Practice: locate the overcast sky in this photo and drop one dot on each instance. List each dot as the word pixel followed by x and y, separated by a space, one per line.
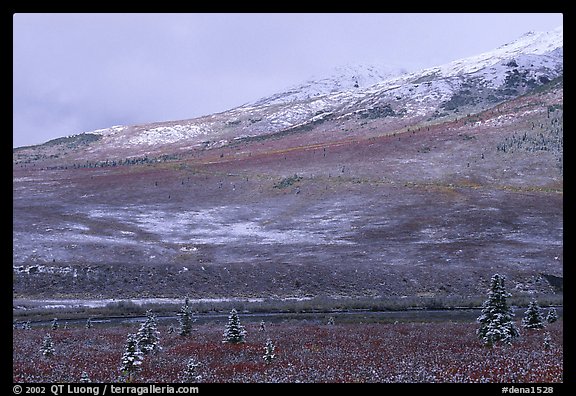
pixel 79 72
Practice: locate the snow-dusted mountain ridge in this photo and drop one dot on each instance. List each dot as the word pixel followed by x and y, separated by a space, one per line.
pixel 531 43
pixel 352 95
pixel 341 78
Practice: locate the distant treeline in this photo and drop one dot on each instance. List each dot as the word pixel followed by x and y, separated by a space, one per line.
pixel 117 162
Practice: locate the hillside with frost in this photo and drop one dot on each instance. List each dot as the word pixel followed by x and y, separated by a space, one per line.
pixel 420 185
pixel 351 95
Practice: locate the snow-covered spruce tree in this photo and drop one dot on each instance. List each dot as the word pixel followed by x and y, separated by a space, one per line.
pixel 262 326
pixel 89 323
pixel 552 315
pixel 547 341
pixel 190 371
pixel 84 378
pixel 54 325
pixel 148 336
pixel 532 318
pixel 496 318
pixel 269 351
pixel 235 332
pixel 131 359
pixel 185 319
pixel 47 348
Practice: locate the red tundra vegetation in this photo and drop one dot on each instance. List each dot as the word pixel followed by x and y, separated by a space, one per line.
pixel 305 352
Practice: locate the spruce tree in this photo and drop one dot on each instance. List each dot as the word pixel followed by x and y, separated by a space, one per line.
pixel 269 351
pixel 84 378
pixel 185 318
pixel 190 372
pixel 547 341
pixel 552 315
pixel 132 358
pixel 532 317
pixel 54 325
pixel 496 318
pixel 47 348
pixel 148 336
pixel 235 332
pixel 89 323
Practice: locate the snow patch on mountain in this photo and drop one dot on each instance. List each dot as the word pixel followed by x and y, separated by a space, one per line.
pixel 531 43
pixel 342 78
pixel 169 134
pixel 109 131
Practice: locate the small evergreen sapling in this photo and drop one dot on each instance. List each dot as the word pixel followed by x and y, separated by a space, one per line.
pixel 547 341
pixel 185 319
pixel 84 378
pixel 190 372
pixel 234 332
pixel 532 317
pixel 54 325
pixel 269 352
pixel 552 315
pixel 47 348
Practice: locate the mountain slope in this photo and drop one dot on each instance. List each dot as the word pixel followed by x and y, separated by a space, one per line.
pixel 422 185
pixel 426 213
pixel 463 86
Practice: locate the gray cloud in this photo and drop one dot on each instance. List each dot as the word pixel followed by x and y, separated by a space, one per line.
pixel 80 72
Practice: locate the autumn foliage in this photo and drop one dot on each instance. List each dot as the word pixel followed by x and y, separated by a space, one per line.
pixel 304 352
